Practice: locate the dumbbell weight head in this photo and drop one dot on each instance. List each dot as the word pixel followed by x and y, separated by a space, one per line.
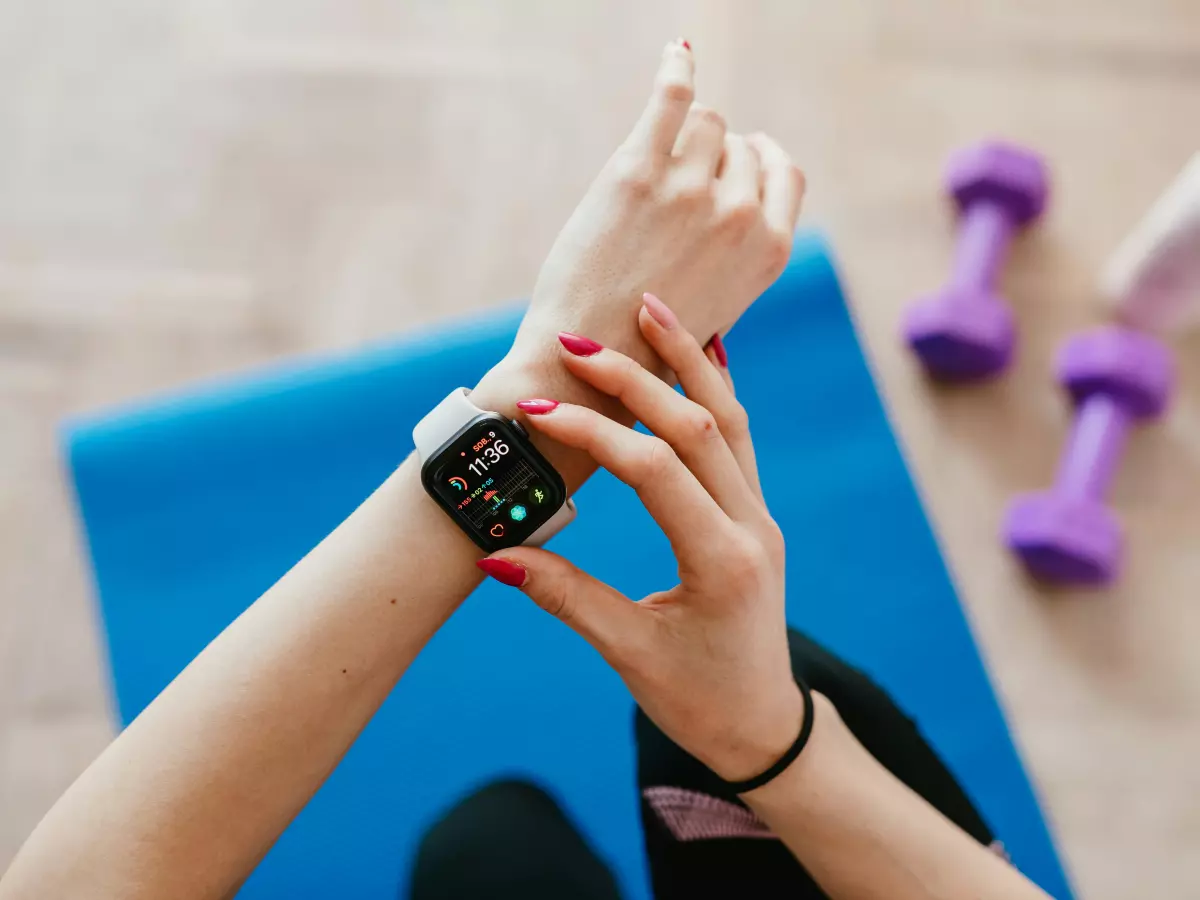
pixel 965 330
pixel 1012 176
pixel 1132 367
pixel 1067 534
pixel 961 334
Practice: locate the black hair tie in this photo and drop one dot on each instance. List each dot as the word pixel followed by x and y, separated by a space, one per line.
pixel 750 784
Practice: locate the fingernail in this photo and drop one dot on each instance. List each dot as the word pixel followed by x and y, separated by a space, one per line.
pixel 683 43
pixel 536 407
pixel 578 344
pixel 718 349
pixel 659 311
pixel 503 571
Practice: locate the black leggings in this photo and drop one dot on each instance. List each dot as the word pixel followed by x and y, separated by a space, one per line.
pixel 510 839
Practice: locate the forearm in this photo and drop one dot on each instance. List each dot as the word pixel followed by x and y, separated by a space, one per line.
pixel 186 801
pixel 189 797
pixel 864 835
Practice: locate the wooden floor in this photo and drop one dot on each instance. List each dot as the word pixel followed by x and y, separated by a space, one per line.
pixel 192 187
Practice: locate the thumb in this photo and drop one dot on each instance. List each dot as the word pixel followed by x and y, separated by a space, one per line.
pixel 603 616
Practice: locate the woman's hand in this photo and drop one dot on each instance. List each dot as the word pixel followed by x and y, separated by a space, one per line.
pixel 683 209
pixel 708 659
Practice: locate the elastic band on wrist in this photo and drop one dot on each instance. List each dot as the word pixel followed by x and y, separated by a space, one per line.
pixel 806 727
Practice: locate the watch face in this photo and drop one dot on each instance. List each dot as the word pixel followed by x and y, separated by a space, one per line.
pixel 494 483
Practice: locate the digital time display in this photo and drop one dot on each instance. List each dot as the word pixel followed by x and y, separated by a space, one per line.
pixel 492 480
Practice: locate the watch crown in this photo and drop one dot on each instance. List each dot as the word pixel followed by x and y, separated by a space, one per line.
pixel 520 428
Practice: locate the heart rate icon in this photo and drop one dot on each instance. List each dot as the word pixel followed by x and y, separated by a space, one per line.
pixel 497 530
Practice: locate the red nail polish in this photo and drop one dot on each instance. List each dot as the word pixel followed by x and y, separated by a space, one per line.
pixel 579 345
pixel 686 45
pixel 659 311
pixel 718 349
pixel 503 571
pixel 536 407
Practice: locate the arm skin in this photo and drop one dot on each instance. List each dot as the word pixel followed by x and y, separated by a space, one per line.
pixel 864 835
pixel 187 800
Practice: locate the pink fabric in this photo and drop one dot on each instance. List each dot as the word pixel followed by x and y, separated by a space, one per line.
pixel 693 816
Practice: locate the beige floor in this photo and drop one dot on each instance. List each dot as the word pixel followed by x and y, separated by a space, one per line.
pixel 196 186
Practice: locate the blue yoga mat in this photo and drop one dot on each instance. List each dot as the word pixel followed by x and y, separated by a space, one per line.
pixel 194 505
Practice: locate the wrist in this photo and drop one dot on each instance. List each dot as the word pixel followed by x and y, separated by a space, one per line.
pixel 517 379
pixel 826 747
pixel 758 744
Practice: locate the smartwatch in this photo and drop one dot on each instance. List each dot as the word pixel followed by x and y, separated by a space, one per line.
pixel 482 469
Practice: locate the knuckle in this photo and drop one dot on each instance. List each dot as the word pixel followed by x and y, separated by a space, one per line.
pixel 734 421
pixel 658 459
pixel 675 89
pixel 556 600
pixel 778 251
pixel 628 369
pixel 709 117
pixel 625 374
pixel 693 192
pixel 761 143
pixel 745 561
pixel 742 216
pixel 634 173
pixel 773 542
pixel 701 426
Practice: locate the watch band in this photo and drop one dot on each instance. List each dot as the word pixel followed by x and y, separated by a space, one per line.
pixel 552 525
pixel 444 421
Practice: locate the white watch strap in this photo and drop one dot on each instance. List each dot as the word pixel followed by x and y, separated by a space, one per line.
pixel 553 525
pixel 444 421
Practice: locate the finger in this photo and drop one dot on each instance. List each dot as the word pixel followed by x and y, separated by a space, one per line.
pixel 743 447
pixel 739 180
pixel 690 518
pixel 601 615
pixel 686 425
pixel 783 185
pixel 719 357
pixel 658 127
pixel 701 379
pixel 702 141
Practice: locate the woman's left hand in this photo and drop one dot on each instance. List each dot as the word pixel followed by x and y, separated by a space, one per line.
pixel 683 208
pixel 708 659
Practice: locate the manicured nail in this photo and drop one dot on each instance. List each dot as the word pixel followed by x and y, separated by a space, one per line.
pixel 718 349
pixel 578 344
pixel 659 311
pixel 503 571
pixel 683 42
pixel 536 407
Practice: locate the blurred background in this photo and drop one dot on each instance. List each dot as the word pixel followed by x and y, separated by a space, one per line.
pixel 193 187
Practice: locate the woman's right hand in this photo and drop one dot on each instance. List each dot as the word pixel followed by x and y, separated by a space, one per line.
pixel 708 659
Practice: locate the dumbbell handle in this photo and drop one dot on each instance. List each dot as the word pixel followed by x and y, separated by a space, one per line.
pixel 984 231
pixel 1094 448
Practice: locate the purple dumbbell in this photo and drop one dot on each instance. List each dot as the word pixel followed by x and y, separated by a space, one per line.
pixel 1067 535
pixel 966 330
